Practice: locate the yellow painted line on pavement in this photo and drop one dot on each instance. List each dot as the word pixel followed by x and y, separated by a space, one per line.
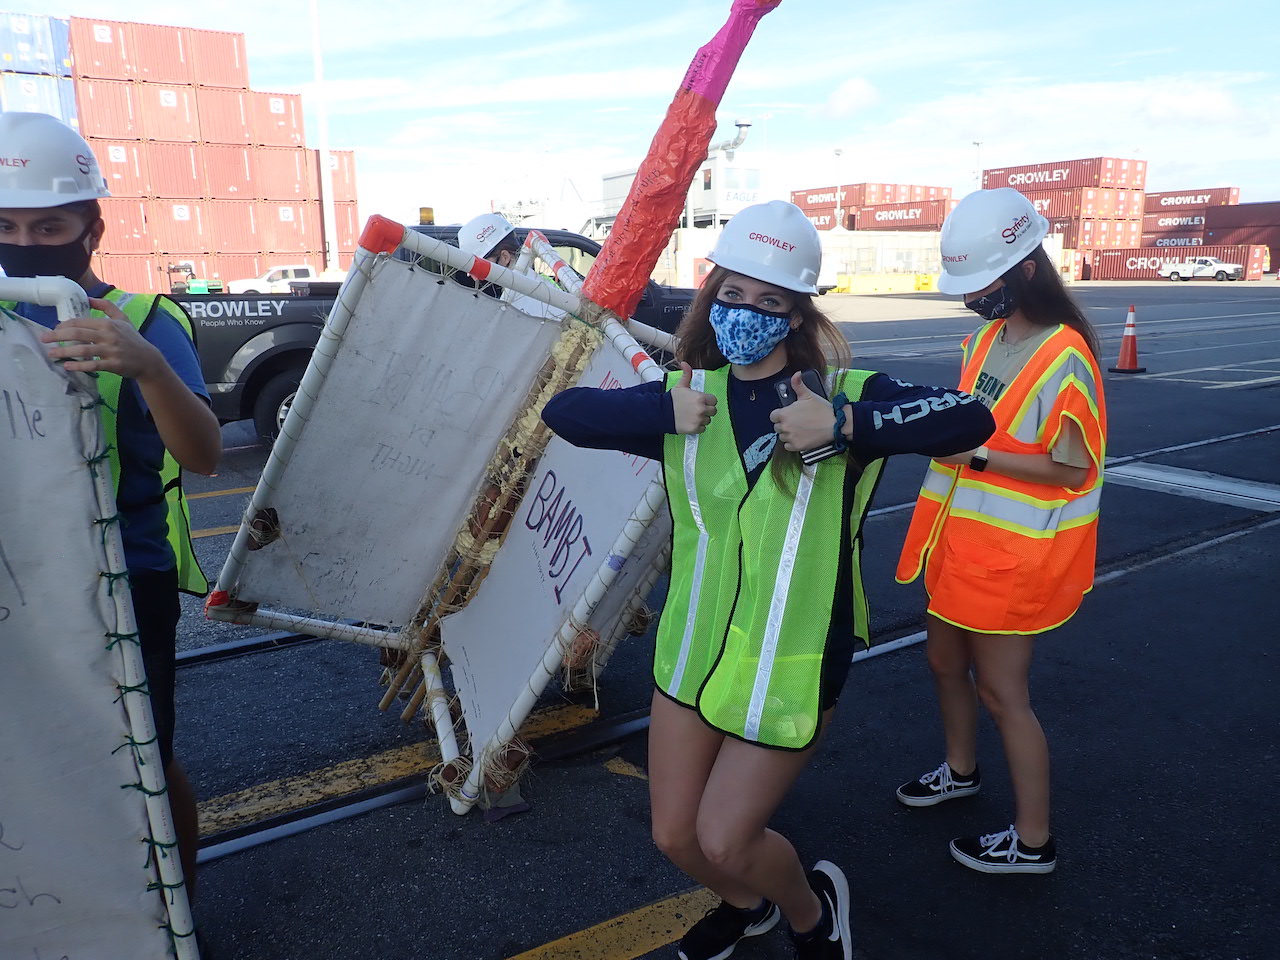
pixel 625 768
pixel 213 531
pixel 293 793
pixel 220 493
pixel 632 934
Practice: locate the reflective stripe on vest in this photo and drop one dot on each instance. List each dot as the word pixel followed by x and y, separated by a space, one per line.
pixel 736 641
pixel 1046 527
pixel 697 382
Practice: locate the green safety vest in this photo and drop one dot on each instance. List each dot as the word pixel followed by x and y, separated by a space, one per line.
pixel 139 309
pixel 753 578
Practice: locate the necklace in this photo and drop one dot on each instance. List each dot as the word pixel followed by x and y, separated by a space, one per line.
pixel 753 393
pixel 1014 346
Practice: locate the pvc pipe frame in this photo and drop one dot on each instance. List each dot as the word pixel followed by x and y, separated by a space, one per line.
pixel 66 295
pixel 137 706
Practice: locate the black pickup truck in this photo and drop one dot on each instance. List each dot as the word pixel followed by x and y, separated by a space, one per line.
pixel 254 348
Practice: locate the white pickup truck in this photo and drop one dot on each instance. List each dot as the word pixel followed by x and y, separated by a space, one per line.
pixel 275 280
pixel 1203 268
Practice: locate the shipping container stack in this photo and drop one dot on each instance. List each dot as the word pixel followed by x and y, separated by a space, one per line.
pixel 1177 218
pixel 1094 203
pixel 202 169
pixel 875 206
pixel 35 66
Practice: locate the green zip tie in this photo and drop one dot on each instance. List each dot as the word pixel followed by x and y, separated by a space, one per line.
pixel 118 638
pixel 125 688
pixel 105 523
pixel 112 579
pixel 152 846
pixel 143 790
pixel 99 402
pixel 93 462
pixel 136 744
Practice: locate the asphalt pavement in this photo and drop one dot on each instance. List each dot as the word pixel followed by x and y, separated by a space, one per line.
pixel 1159 700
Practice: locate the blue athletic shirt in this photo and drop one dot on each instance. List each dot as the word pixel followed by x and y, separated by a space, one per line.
pixel 140 495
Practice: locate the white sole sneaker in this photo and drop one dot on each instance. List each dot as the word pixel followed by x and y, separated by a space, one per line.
pixel 1001 865
pixel 955 793
pixel 840 917
pixel 756 929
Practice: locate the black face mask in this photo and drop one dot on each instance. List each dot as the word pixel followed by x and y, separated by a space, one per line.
pixel 997 305
pixel 69 260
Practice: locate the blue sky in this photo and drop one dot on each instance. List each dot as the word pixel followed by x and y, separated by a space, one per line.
pixel 457 105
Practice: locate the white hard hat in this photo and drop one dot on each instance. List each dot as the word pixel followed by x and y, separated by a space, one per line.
pixel 45 163
pixel 774 243
pixel 988 233
pixel 479 235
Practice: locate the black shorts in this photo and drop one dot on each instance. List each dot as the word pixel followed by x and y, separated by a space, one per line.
pixel 156 610
pixel 836 660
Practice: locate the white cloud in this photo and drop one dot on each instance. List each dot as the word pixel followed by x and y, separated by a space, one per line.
pixel 852 96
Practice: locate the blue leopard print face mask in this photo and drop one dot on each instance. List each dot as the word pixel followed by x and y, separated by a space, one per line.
pixel 746 335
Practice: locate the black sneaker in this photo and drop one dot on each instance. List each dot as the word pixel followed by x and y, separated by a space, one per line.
pixel 831 938
pixel 938 785
pixel 1004 852
pixel 716 934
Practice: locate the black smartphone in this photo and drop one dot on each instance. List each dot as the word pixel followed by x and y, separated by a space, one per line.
pixel 812 379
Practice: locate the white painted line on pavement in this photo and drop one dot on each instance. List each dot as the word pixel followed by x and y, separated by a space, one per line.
pixel 1243 383
pixel 1198 484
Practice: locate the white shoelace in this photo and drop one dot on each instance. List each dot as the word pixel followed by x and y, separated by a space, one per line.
pixel 989 842
pixel 941 776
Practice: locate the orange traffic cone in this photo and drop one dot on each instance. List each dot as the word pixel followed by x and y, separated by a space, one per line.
pixel 1128 362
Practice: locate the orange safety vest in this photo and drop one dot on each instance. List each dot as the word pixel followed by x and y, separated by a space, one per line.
pixel 1007 556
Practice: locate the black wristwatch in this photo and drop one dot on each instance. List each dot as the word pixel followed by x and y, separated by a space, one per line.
pixel 978 461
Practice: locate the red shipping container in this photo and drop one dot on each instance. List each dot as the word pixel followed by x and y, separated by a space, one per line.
pixel 162 54
pixel 168 112
pixel 102 49
pixel 1144 263
pixel 128 229
pixel 1179 221
pixel 124 166
pixel 345 258
pixel 236 266
pixel 277 119
pixel 824 218
pixel 1185 199
pixel 176 169
pixel 346 226
pixel 225 115
pixel 1245 215
pixel 289 228
pixel 896 216
pixel 230 172
pixel 285 173
pixel 219 58
pixel 342 164
pixel 1173 239
pixel 133 273
pixel 816 197
pixel 1091 172
pixel 233 226
pixel 1088 202
pixel 179 225
pixel 1268 236
pixel 108 109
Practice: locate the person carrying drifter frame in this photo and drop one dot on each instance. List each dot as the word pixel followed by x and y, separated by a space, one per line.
pixel 766 600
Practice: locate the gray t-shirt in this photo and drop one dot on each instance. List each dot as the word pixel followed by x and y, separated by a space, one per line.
pixel 1003 364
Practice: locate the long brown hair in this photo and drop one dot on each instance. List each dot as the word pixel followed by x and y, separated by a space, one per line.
pixel 815 344
pixel 1044 299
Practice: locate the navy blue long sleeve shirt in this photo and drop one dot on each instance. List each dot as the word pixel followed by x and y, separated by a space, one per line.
pixel 892 417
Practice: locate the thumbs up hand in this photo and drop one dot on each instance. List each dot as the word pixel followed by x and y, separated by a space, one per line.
pixel 693 409
pixel 805 424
